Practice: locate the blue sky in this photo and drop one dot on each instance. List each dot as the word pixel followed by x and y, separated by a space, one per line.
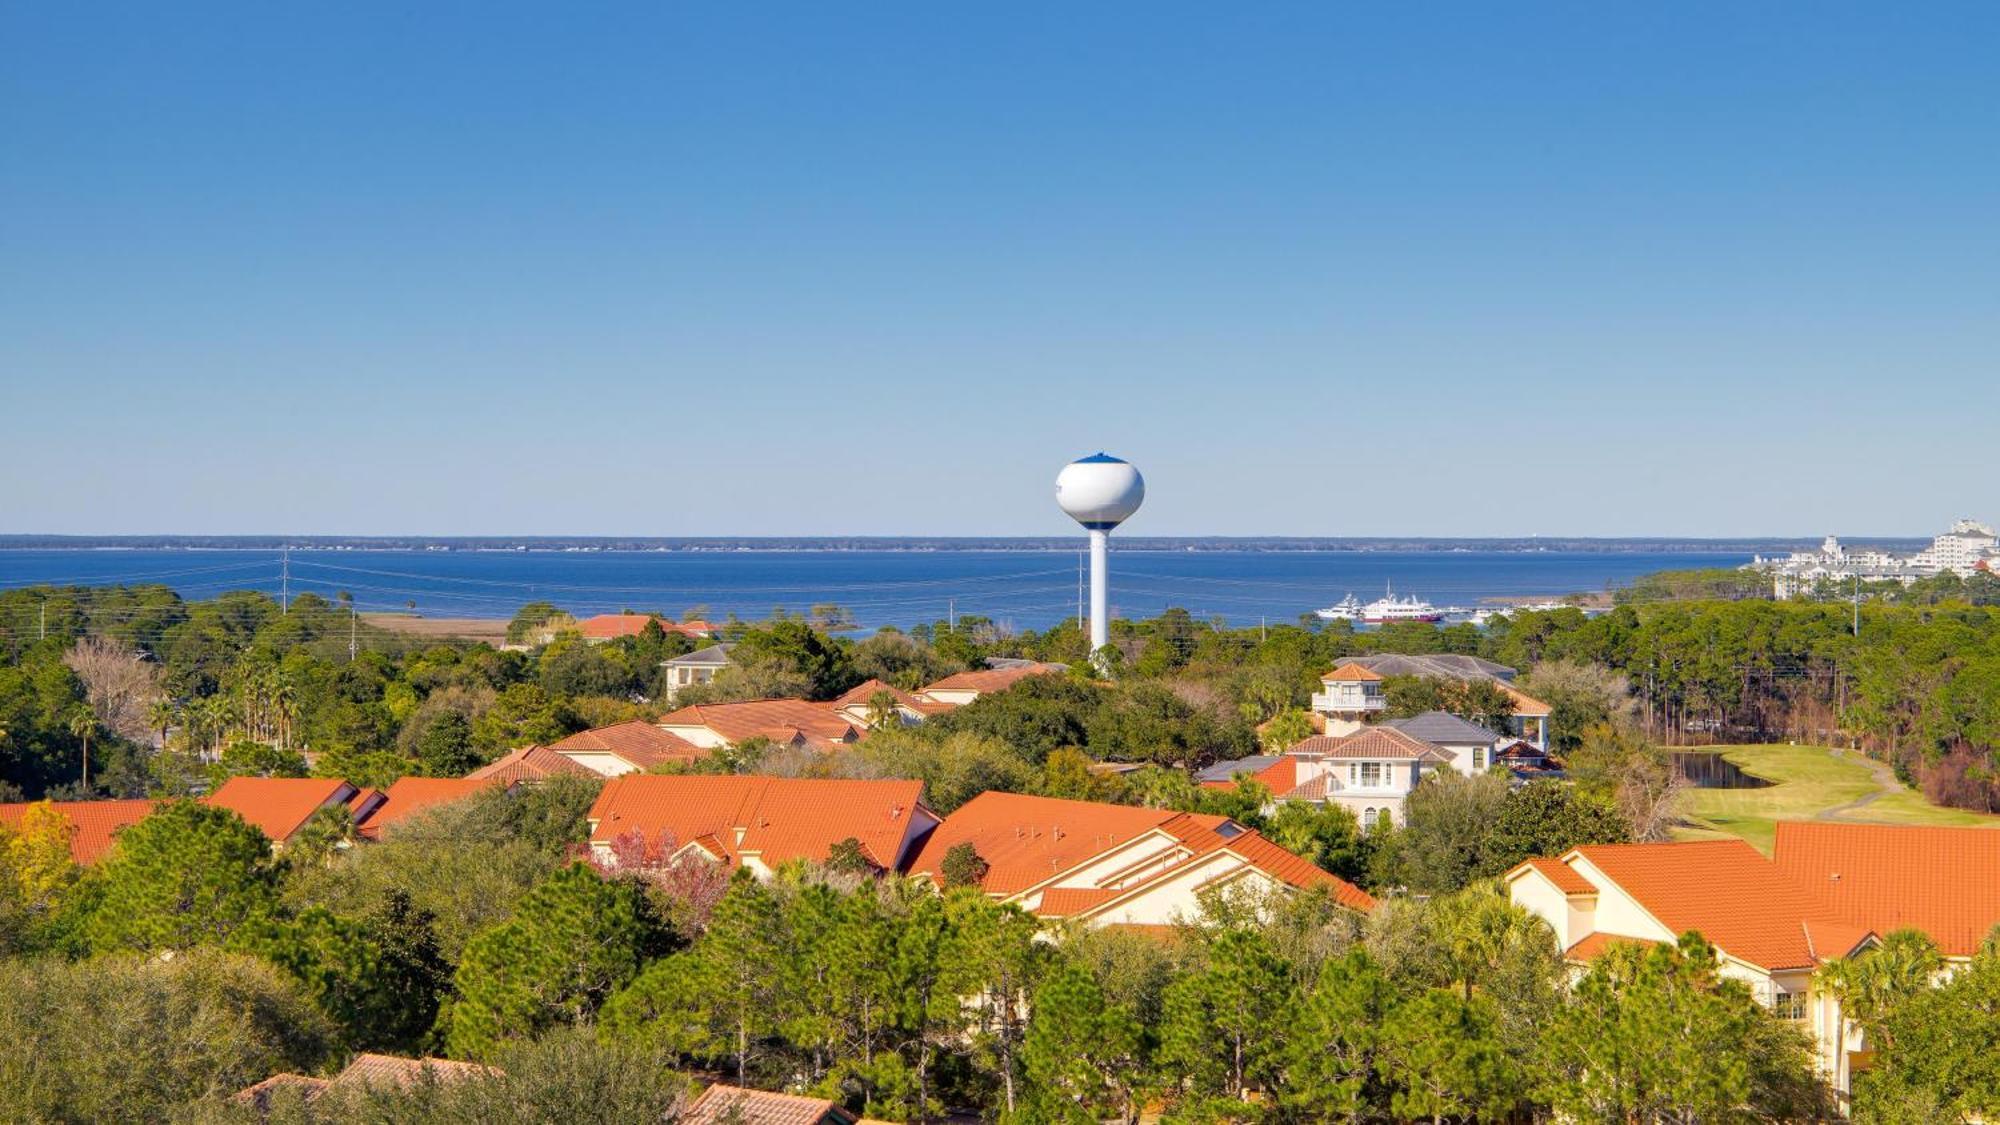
pixel 1414 269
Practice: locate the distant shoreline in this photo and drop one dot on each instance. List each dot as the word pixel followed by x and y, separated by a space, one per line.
pixel 919 544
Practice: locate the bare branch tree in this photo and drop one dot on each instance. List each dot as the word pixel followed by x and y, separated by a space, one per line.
pixel 120 683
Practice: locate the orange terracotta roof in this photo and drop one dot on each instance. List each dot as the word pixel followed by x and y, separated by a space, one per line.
pixel 1372 744
pixel 735 1105
pixel 92 824
pixel 1350 672
pixel 1524 704
pixel 261 1094
pixel 1730 894
pixel 1061 902
pixel 1943 881
pixel 1594 945
pixel 636 741
pixel 410 796
pixel 861 694
pixel 1280 777
pixel 606 626
pixel 1296 870
pixel 530 763
pixel 1556 871
pixel 1026 840
pixel 782 818
pixel 986 680
pixel 765 718
pixel 278 806
pixel 385 1072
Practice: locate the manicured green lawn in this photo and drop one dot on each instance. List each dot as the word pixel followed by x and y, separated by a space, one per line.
pixel 1810 781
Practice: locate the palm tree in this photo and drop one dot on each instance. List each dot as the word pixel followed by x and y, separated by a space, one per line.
pixel 160 715
pixel 81 724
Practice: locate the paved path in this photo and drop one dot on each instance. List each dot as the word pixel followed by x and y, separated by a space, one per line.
pixel 1885 781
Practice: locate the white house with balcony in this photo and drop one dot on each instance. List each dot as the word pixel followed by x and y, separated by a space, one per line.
pixel 1369 772
pixel 1349 697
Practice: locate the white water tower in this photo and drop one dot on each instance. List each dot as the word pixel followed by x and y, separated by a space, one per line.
pixel 1100 492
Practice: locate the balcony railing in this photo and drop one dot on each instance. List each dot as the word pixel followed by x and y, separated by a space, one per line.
pixel 1336 701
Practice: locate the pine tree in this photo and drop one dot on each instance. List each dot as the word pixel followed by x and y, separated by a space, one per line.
pixel 571 943
pixel 1443 1053
pixel 1225 1023
pixel 187 875
pixel 1331 1052
pixel 1080 1055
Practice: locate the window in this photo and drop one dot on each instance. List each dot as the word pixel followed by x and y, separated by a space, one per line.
pixel 1367 819
pixel 1368 774
pixel 1788 1005
pixel 1478 759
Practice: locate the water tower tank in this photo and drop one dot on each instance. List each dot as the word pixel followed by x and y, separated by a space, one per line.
pixel 1100 491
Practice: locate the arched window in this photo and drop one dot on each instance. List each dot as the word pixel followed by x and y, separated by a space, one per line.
pixel 1367 819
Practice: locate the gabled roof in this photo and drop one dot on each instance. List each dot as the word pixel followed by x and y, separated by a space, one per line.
pixel 1943 881
pixel 530 763
pixel 637 742
pixel 1027 840
pixel 861 694
pixel 92 824
pixel 775 719
pixel 1443 728
pixel 278 806
pixel 714 656
pixel 409 796
pixel 1384 743
pixel 735 1105
pixel 1525 704
pixel 988 680
pixel 1731 894
pixel 1556 871
pixel 782 818
pixel 367 1071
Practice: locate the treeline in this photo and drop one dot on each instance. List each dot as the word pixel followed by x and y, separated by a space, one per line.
pixel 192 962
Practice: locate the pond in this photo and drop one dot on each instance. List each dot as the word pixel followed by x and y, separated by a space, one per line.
pixel 1708 769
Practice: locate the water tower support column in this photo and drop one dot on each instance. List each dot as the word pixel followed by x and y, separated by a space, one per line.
pixel 1100 615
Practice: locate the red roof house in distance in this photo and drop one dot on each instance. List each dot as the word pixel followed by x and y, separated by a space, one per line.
pixel 628 747
pixel 279 806
pixel 857 704
pixel 964 687
pixel 91 825
pixel 788 722
pixel 410 796
pixel 735 1105
pixel 610 626
pixel 760 822
pixel 530 763
pixel 1116 864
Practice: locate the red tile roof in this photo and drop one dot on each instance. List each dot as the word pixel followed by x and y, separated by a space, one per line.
pixel 781 720
pixel 1524 704
pixel 861 694
pixel 410 796
pixel 92 824
pixel 988 680
pixel 1594 945
pixel 783 818
pixel 1943 881
pixel 1350 672
pixel 530 763
pixel 1561 874
pixel 636 741
pixel 734 1105
pixel 278 806
pixel 385 1072
pixel 1373 744
pixel 1280 777
pixel 1731 894
pixel 606 626
pixel 1027 840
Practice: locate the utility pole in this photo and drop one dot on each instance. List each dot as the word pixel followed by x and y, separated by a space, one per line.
pixel 951 614
pixel 45 619
pixel 285 580
pixel 1857 603
pixel 353 630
